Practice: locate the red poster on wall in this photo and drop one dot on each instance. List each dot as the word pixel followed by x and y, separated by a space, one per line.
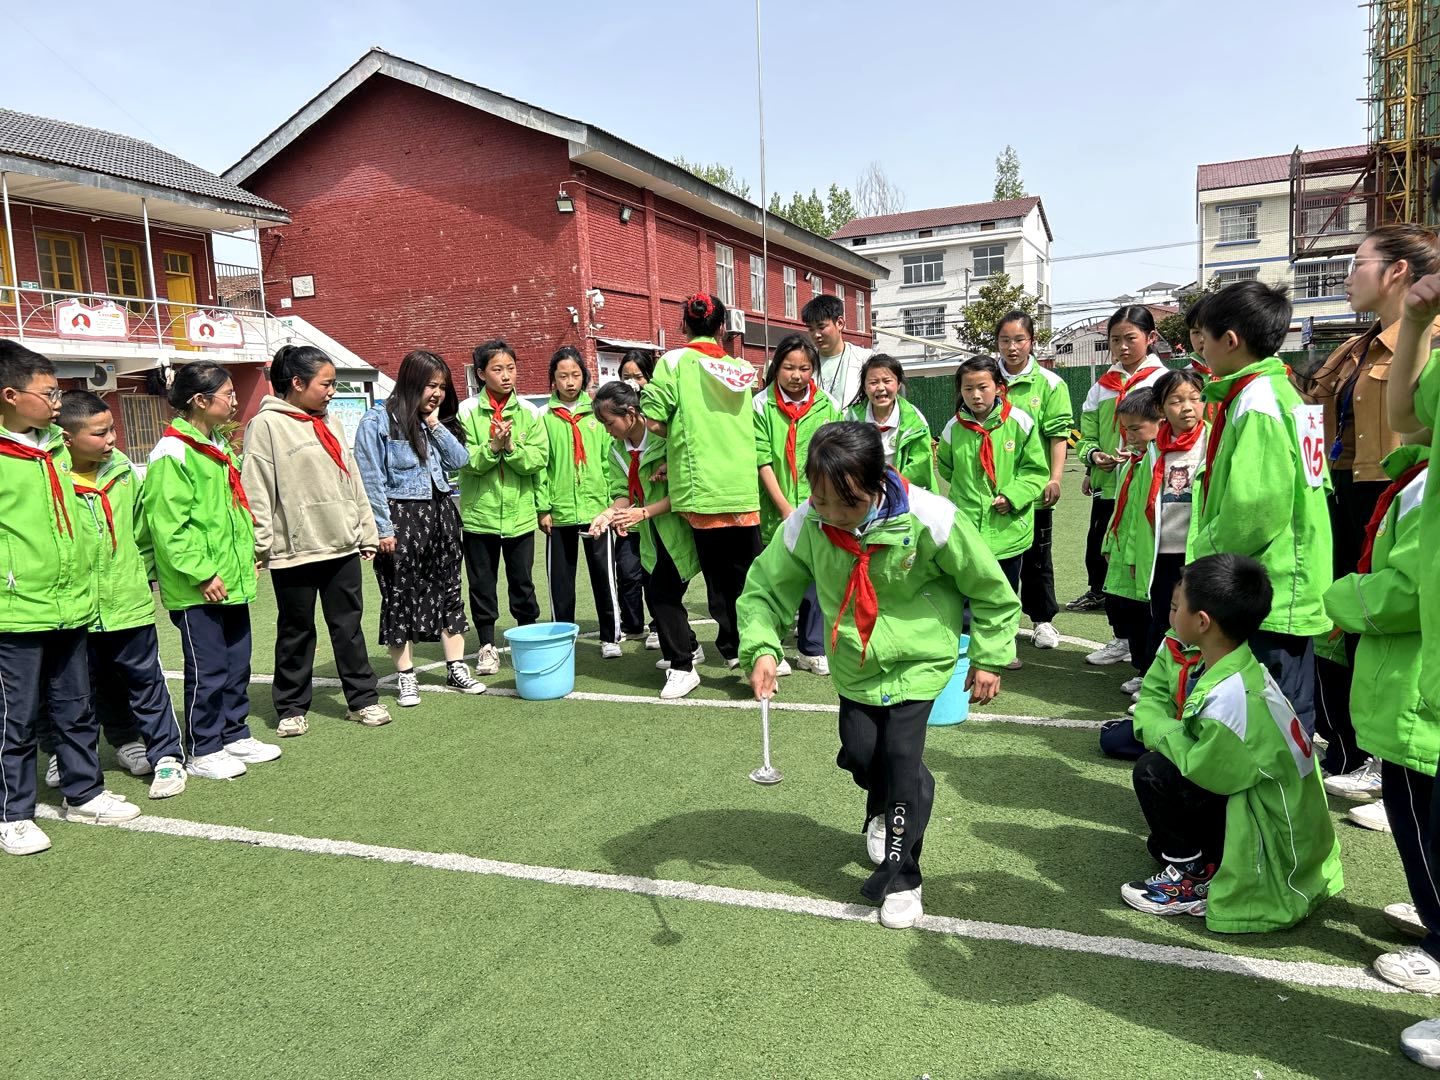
pixel 214 330
pixel 103 322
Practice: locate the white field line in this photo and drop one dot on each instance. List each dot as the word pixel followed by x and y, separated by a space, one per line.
pixel 1295 972
pixel 710 703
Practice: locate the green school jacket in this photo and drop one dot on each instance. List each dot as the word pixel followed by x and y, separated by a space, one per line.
pixel 674 530
pixel 771 431
pixel 197 528
pixel 123 557
pixel 573 494
pixel 1238 736
pixel 914 448
pixel 47 567
pixel 1124 533
pixel 1383 607
pixel 1044 395
pixel 929 559
pixel 1100 430
pixel 705 402
pixel 1022 469
pixel 1427 409
pixel 1161 695
pixel 1265 494
pixel 498 491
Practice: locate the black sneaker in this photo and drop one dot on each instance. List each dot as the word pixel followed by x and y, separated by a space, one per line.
pixel 1090 600
pixel 458 677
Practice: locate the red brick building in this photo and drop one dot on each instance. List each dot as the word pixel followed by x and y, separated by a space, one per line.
pixel 428 212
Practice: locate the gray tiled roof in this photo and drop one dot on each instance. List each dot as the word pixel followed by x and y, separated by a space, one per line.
pixel 41 139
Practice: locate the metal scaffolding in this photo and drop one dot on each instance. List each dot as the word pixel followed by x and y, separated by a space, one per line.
pixel 1403 95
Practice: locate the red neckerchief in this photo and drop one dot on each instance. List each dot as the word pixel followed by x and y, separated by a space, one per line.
pixel 574 422
pixel 326 437
pixel 11 448
pixel 987 449
pixel 1122 385
pixel 632 479
pixel 1221 414
pixel 497 406
pixel 794 414
pixel 894 418
pixel 1167 442
pixel 711 349
pixel 82 488
pixel 1382 508
pixel 1177 652
pixel 1124 496
pixel 215 454
pixel 859 588
pixel 1201 368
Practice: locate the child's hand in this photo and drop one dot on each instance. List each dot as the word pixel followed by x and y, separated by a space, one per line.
pixel 1085 488
pixel 762 677
pixel 387 545
pixel 1001 505
pixel 983 686
pixel 599 525
pixel 1103 461
pixel 1051 495
pixel 545 522
pixel 628 518
pixel 214 590
pixel 1422 302
pixel 660 475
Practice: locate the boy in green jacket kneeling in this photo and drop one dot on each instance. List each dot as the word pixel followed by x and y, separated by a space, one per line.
pixel 1230 787
pixel 895 564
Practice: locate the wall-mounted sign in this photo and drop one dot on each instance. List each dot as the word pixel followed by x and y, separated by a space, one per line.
pixel 303 286
pixel 214 330
pixel 103 322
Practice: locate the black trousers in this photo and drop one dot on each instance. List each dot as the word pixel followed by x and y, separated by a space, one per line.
pixel 810 625
pixel 881 747
pixel 1410 806
pixel 336 582
pixel 1185 820
pixel 1133 619
pixel 482 569
pixel 665 592
pixel 216 641
pixel 562 549
pixel 53 666
pixel 1037 572
pixel 1095 564
pixel 630 585
pixel 1162 588
pixel 1290 659
pixel 725 558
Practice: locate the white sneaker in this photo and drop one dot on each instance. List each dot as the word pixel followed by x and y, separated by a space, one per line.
pixel 1135 698
pixel 678 684
pixel 252 751
pixel 107 808
pixel 816 665
pixel 216 766
pixel 734 662
pixel 487 661
pixel 1370 816
pixel 132 757
pixel 1046 636
pixel 1015 665
pixel 610 650
pixel 291 727
pixel 52 773
pixel 901 909
pixel 782 669
pixel 1131 686
pixel 22 838
pixel 697 657
pixel 652 641
pixel 1115 651
pixel 1405 918
pixel 875 833
pixel 1362 785
pixel 1130 711
pixel 370 716
pixel 1421 1043
pixel 408 685
pixel 169 778
pixel 1412 969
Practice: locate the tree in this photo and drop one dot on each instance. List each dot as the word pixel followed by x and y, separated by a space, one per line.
pixel 1172 328
pixel 996 298
pixel 722 176
pixel 1008 184
pixel 809 212
pixel 876 193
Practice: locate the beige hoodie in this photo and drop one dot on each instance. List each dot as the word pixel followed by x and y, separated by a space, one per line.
pixel 306 510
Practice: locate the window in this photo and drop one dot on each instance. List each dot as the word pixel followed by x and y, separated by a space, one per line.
pixel 1328 215
pixel 1102 346
pixel 725 274
pixel 123 273
pixel 757 284
pixel 817 285
pixel 6 297
pixel 987 226
pixel 989 260
pixel 1319 278
pixel 145 418
pixel 926 268
pixel 1244 273
pixel 859 310
pixel 1065 348
pixel 928 322
pixel 925 234
pixel 859 241
pixel 1239 223
pixel 840 293
pixel 792 295
pixel 60 266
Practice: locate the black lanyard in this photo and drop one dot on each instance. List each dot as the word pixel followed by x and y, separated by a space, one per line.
pixel 1345 405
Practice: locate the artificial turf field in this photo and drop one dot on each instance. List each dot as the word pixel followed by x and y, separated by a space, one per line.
pixel 715 927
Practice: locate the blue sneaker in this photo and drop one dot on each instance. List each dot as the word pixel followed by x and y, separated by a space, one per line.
pixel 1173 891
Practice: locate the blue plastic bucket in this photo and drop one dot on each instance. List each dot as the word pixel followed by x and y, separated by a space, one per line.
pixel 953 704
pixel 544 659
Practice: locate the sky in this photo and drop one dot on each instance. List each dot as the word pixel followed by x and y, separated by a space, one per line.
pixel 1110 104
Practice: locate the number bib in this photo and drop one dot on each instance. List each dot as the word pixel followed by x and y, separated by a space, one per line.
pixel 1310 432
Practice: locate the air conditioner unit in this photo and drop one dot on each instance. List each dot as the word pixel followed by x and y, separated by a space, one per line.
pixel 734 321
pixel 102 378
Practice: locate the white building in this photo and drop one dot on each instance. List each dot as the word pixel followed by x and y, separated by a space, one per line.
pixel 1255 223
pixel 940 258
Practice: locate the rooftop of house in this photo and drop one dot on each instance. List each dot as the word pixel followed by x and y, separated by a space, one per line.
pixel 1269 170
pixel 965 214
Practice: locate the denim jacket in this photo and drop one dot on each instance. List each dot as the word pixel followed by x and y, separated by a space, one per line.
pixel 392 470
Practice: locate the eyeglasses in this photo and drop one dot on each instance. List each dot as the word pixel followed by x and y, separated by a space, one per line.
pixel 230 396
pixel 1013 340
pixel 50 396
